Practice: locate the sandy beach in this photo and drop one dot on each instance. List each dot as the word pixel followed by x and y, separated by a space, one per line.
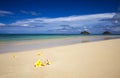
pixel 99 59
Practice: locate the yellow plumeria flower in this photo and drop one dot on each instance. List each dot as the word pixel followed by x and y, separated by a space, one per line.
pixel 38 63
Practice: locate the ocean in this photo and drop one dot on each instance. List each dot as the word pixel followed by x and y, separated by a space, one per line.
pixel 22 37
pixel 23 42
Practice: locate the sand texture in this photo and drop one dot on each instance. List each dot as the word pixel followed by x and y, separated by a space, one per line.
pixel 87 60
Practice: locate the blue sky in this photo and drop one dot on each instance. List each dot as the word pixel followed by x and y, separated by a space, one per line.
pixel 59 16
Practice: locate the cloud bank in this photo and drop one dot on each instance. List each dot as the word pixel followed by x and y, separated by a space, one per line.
pixel 62 20
pixel 93 23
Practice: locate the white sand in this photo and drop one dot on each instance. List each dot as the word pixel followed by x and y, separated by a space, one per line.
pixel 88 60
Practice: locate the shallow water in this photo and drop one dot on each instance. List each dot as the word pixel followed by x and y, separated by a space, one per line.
pixel 23 37
pixel 13 43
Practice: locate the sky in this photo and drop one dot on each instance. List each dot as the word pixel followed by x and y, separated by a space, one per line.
pixel 59 16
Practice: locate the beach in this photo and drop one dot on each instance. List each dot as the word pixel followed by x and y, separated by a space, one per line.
pixel 100 59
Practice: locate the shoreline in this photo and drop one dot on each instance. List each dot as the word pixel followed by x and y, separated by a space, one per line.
pixel 39 44
pixel 89 60
pixel 36 44
pixel 64 37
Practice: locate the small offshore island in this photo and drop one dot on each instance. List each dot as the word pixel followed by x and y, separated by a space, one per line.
pixel 87 33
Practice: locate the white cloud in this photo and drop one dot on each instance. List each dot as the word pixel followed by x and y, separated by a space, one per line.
pixel 4 13
pixel 80 20
pixel 80 17
pixel 1 24
pixel 24 12
pixel 94 23
pixel 68 24
pixel 30 12
pixel 34 13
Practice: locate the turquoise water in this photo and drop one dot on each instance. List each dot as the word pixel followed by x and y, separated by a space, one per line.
pixel 20 37
pixel 11 43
